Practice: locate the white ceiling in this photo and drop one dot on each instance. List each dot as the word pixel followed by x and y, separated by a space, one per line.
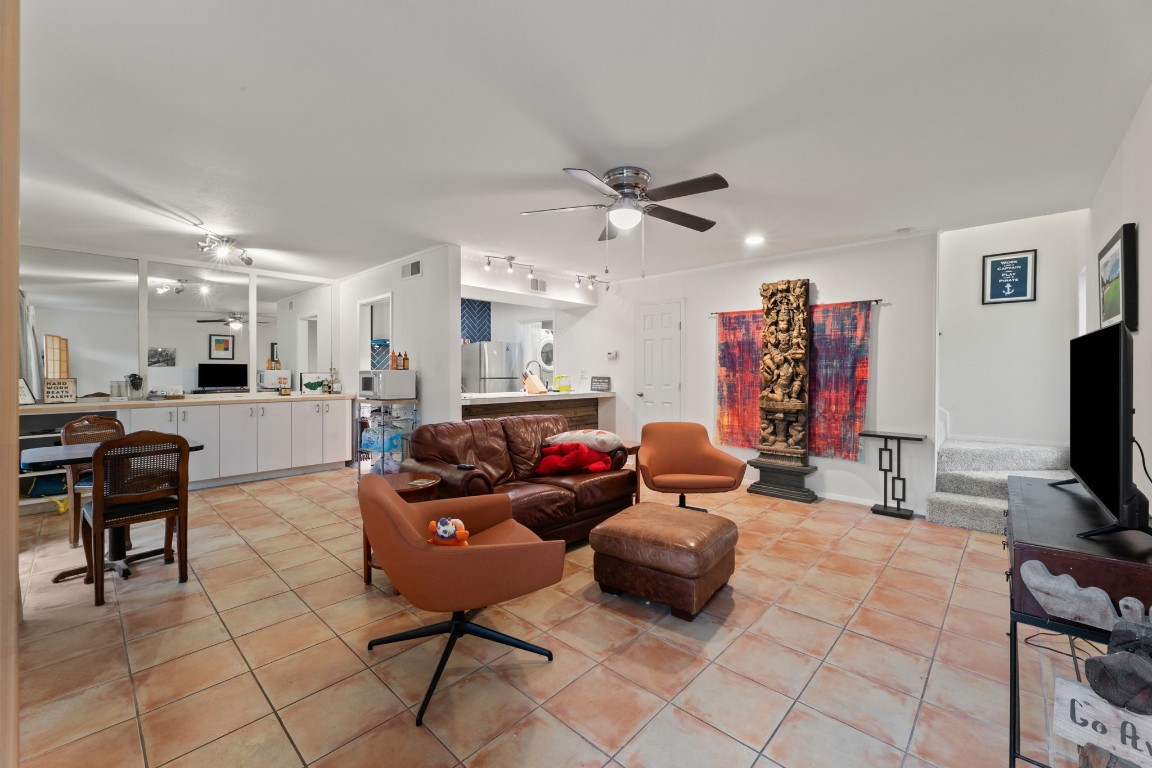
pixel 328 137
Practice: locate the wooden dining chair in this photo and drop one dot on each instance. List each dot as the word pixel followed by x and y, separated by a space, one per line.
pixel 87 429
pixel 140 477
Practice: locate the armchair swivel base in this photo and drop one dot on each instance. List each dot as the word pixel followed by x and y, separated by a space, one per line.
pixel 456 627
pixel 684 505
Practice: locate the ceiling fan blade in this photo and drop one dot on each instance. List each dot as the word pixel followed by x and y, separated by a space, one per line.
pixel 697 223
pixel 559 210
pixel 592 180
pixel 709 183
pixel 217 320
pixel 609 233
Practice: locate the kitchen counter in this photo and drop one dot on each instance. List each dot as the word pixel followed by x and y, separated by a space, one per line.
pixel 523 397
pixel 98 404
pixel 583 410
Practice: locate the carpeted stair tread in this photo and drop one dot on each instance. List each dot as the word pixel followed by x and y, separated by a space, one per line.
pixel 991 484
pixel 981 456
pixel 977 513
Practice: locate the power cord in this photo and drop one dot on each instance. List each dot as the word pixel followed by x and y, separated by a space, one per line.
pixel 1143 464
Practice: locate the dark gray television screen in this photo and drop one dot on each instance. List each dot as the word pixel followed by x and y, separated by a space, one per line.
pixel 222 376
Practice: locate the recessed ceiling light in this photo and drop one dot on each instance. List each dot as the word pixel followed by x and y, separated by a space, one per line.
pixel 754 240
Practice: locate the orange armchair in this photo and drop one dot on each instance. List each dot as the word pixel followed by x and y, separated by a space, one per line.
pixel 677 457
pixel 503 560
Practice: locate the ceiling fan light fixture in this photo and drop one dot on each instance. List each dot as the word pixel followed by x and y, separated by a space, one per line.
pixel 625 214
pixel 235 325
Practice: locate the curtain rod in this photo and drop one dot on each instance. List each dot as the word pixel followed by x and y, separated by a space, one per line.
pixel 874 301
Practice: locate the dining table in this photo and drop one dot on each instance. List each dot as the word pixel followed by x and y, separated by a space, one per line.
pixel 57 456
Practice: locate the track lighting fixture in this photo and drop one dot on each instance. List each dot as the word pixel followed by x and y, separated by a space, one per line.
pixel 224 248
pixel 178 286
pixel 510 264
pixel 488 265
pixel 578 282
pixel 510 260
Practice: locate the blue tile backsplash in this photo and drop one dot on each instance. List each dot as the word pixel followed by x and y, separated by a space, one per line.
pixel 475 320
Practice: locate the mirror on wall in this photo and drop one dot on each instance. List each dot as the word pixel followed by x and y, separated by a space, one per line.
pixel 197 315
pixel 298 317
pixel 91 301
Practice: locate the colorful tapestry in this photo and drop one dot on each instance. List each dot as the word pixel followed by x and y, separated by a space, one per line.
pixel 738 346
pixel 838 378
pixel 838 387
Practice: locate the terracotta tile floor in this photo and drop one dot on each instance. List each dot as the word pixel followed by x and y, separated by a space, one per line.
pixel 843 639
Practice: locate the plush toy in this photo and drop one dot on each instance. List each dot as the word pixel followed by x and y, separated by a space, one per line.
pixel 448 531
pixel 568 458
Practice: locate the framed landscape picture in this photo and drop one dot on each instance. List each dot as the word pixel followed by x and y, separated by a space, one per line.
pixel 221 347
pixel 1118 280
pixel 161 357
pixel 1009 277
pixel 312 383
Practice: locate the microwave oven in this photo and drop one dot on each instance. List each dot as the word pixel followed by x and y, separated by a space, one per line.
pixel 388 385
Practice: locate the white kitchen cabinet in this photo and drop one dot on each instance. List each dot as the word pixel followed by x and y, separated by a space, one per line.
pixel 239 439
pixel 192 422
pixel 274 436
pixel 307 433
pixel 337 431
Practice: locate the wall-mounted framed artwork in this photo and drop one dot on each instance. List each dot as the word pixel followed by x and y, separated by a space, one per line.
pixel 312 383
pixel 59 390
pixel 1009 277
pixel 161 357
pixel 221 346
pixel 1119 299
pixel 26 396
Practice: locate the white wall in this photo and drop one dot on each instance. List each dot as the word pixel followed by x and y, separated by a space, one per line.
pixel 425 324
pixel 102 346
pixel 1003 372
pixel 901 395
pixel 300 345
pixel 1125 195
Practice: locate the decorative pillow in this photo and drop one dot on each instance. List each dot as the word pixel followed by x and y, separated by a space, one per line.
pixel 598 439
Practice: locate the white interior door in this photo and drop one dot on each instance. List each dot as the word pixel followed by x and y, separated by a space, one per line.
pixel 658 372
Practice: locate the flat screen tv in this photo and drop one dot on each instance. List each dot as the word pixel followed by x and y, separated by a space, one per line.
pixel 1100 427
pixel 222 376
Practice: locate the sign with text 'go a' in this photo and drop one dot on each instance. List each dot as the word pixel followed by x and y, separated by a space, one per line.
pixel 1083 717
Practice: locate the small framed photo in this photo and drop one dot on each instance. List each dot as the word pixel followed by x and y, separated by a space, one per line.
pixel 1119 280
pixel 161 357
pixel 59 390
pixel 221 347
pixel 26 396
pixel 1009 277
pixel 312 383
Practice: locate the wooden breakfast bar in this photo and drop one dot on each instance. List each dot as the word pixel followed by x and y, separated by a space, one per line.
pixel 583 410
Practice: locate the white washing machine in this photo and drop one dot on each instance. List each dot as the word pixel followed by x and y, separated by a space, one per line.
pixel 543 352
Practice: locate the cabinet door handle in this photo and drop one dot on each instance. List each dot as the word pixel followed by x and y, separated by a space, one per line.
pixel 261 410
pixel 183 415
pixel 327 407
pixel 317 407
pixel 251 411
pixel 171 415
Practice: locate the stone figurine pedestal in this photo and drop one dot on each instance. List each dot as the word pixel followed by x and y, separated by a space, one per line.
pixel 782 481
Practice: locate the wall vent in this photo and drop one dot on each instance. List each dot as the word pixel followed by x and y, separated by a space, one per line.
pixel 290 303
pixel 411 269
pixel 538 285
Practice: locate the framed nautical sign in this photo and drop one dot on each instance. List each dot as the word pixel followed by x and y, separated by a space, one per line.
pixel 1009 277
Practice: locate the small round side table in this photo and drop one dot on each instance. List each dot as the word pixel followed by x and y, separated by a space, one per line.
pixel 411 488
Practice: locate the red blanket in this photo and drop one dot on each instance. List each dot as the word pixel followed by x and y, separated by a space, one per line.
pixel 568 458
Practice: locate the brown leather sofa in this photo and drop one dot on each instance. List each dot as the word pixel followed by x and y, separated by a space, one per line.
pixel 505 452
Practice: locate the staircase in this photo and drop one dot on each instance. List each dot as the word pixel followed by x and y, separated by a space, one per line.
pixel 972 480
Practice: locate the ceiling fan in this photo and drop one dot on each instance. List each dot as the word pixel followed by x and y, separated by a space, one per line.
pixel 234 320
pixel 631 199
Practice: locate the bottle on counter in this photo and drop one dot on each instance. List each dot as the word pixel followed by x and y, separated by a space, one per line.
pixel 268 364
pixel 405 365
pixel 392 360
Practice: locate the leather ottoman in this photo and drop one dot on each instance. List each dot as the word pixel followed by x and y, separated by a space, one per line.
pixel 663 553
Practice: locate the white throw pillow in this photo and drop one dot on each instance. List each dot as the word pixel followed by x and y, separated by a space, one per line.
pixel 598 439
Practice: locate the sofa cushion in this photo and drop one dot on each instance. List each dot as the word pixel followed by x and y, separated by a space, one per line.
pixel 538 505
pixel 525 435
pixel 479 442
pixel 596 489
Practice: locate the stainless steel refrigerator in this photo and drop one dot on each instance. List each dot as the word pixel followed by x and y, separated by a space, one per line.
pixel 490 366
